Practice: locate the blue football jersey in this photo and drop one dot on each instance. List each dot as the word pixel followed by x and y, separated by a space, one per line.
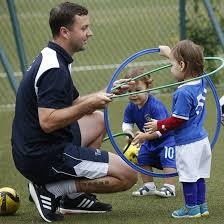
pixel 189 104
pixel 154 109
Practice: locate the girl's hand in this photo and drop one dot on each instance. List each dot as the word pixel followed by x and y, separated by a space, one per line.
pixel 164 51
pixel 151 126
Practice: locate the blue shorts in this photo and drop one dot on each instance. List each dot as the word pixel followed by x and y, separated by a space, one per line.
pixel 70 162
pixel 159 158
pixel 76 133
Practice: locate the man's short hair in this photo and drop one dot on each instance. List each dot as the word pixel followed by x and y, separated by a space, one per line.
pixel 64 15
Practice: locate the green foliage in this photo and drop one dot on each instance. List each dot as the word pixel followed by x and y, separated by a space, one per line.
pixel 201 31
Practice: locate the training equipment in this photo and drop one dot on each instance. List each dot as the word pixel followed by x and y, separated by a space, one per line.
pixel 131 153
pixel 111 88
pixel 9 201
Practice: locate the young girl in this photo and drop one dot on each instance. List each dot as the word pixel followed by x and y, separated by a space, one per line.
pixel 156 150
pixel 193 153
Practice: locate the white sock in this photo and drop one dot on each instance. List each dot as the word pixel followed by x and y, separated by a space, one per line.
pixel 150 185
pixel 62 188
pixel 172 187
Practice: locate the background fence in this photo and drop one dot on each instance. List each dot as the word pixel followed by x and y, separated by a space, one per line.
pixel 120 29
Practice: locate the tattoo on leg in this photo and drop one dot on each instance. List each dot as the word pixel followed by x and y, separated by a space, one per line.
pixel 96 183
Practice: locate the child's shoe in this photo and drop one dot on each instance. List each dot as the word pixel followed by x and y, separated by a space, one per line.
pixel 187 212
pixel 144 191
pixel 166 192
pixel 204 210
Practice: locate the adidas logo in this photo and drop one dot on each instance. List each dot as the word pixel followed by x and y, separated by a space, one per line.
pixel 97 152
pixel 85 203
pixel 46 201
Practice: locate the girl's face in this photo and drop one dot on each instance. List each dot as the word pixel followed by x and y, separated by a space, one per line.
pixel 138 99
pixel 177 69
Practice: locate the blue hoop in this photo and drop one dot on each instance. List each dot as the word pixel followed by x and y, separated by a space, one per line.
pixel 106 119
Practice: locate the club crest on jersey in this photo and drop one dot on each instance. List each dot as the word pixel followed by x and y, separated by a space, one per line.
pixel 147 118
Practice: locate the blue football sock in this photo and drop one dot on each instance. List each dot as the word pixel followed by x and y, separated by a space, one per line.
pixel 190 193
pixel 201 191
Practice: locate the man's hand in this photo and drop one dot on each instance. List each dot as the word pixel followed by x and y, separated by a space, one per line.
pixel 138 139
pixel 123 88
pixel 99 100
pixel 151 126
pixel 164 51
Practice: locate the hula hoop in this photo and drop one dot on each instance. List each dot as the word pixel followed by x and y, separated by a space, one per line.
pixel 121 134
pixel 106 119
pixel 168 85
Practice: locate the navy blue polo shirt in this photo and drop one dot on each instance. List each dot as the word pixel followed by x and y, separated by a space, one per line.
pixel 47 83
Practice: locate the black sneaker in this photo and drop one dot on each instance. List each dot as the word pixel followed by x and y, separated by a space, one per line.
pixel 85 203
pixel 45 202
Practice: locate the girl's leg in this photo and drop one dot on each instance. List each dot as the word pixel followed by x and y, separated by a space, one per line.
pixel 201 197
pixel 190 193
pixel 201 191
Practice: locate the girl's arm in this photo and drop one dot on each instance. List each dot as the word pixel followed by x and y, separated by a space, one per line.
pixel 164 51
pixel 163 125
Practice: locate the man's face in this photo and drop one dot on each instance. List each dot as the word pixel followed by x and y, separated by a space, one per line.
pixel 80 33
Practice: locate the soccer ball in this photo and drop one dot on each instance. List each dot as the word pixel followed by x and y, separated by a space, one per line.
pixel 132 153
pixel 9 201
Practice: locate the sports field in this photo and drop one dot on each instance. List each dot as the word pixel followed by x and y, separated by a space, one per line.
pixel 114 40
pixel 126 209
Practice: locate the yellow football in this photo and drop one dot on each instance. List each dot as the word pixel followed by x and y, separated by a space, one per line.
pixel 132 153
pixel 9 201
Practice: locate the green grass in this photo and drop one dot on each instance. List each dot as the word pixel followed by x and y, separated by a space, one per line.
pixel 126 209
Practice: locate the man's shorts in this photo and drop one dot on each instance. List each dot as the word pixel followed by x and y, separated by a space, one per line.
pixel 159 158
pixel 69 161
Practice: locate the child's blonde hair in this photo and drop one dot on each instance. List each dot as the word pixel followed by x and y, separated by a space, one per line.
pixel 192 55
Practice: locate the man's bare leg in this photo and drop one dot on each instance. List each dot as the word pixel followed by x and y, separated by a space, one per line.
pixel 92 129
pixel 120 177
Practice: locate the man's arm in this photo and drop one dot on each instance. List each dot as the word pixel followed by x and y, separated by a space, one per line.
pixel 53 119
pixel 122 89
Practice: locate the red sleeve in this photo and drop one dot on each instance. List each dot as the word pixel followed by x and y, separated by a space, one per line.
pixel 169 124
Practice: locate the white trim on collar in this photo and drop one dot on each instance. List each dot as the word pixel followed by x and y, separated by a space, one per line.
pixel 192 83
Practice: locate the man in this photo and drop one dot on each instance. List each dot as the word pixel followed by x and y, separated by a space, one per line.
pixel 57 133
